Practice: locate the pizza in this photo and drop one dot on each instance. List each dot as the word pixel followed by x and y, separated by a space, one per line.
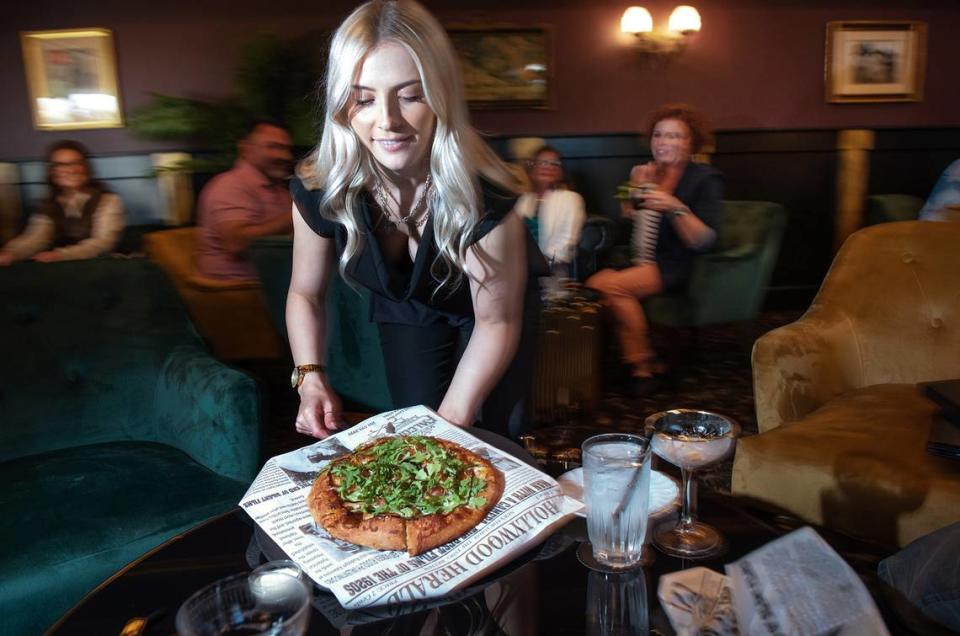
pixel 404 492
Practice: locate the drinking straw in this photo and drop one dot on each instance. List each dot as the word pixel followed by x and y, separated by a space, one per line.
pixel 634 480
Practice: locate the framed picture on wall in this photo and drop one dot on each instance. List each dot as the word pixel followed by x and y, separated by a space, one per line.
pixel 72 79
pixel 875 61
pixel 505 67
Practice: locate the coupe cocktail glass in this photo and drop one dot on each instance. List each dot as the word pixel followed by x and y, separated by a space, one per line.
pixel 691 439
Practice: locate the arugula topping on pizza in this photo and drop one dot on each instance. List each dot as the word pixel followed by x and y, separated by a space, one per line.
pixel 406 492
pixel 407 476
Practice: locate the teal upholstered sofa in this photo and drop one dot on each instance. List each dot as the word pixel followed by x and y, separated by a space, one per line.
pixel 118 430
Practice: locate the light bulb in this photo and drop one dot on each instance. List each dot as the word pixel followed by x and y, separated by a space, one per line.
pixel 636 20
pixel 684 19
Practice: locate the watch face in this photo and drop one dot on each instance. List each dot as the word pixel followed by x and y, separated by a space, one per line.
pixel 295 377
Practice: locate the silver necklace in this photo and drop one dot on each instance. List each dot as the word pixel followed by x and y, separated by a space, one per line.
pixel 408 219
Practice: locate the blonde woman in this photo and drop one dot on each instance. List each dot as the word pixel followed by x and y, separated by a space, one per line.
pixel 404 197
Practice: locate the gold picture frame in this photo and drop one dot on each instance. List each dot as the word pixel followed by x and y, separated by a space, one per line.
pixel 72 79
pixel 505 66
pixel 875 61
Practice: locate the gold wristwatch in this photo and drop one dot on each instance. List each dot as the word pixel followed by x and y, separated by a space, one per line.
pixel 300 371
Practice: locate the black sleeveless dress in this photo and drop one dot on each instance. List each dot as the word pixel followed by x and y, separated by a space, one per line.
pixel 423 333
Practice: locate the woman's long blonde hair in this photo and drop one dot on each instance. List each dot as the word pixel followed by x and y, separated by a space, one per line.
pixel 342 165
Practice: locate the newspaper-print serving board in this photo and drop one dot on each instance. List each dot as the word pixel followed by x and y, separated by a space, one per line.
pixel 531 508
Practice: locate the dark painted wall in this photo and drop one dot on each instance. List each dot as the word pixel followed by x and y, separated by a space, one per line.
pixel 756 65
pixel 757 69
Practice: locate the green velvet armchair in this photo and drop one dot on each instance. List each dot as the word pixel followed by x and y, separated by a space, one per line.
pixel 354 359
pixel 119 429
pixel 728 284
pixel 884 208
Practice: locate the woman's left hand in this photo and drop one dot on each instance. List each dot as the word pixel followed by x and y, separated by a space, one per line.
pixel 46 257
pixel 661 201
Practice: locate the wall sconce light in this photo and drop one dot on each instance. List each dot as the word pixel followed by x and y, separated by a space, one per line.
pixel 638 22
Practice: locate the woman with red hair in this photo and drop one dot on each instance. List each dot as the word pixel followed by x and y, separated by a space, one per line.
pixel 675 205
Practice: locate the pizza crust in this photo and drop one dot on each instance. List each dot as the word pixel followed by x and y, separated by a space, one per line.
pixel 391 532
pixel 381 533
pixel 430 531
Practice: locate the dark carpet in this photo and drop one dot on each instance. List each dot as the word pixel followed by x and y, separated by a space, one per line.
pixel 709 370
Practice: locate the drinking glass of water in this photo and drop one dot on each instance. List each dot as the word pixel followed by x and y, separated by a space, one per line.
pixel 274 601
pixel 617 604
pixel 616 480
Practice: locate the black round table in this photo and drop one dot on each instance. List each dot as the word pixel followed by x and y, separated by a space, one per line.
pixel 549 592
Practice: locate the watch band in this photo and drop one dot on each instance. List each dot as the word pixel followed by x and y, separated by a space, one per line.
pixel 675 212
pixel 300 371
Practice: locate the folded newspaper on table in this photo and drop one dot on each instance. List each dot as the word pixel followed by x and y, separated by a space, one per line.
pixel 794 585
pixel 531 508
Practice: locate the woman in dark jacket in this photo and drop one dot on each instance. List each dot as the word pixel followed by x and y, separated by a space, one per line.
pixel 675 205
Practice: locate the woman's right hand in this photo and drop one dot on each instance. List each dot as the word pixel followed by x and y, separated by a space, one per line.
pixel 643 174
pixel 320 412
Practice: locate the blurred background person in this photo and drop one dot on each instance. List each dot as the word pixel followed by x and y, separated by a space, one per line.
pixel 248 201
pixel 80 218
pixel 676 205
pixel 943 204
pixel 554 214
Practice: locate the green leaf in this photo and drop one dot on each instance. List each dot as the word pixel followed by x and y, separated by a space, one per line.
pixel 400 475
pixel 477 502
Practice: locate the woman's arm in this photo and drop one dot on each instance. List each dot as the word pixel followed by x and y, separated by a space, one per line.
pixel 313 263
pixel 37 237
pixel 498 264
pixel 569 225
pixel 695 224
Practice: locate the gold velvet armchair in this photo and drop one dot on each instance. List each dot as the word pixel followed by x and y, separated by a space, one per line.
pixel 843 426
pixel 230 315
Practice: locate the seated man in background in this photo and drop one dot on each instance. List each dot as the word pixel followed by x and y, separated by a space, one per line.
pixel 248 201
pixel 944 202
pixel 80 218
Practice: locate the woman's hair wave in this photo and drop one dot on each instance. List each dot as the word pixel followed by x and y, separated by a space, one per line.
pixel 343 167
